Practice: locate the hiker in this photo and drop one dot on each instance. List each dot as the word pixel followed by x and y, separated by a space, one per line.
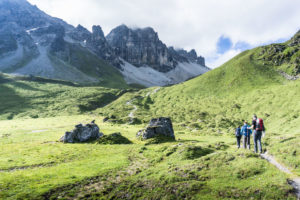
pixel 238 136
pixel 258 128
pixel 246 132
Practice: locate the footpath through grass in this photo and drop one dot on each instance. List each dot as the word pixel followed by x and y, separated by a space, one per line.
pixel 34 166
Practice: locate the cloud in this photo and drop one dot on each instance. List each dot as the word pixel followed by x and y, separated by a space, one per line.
pixel 220 59
pixel 196 24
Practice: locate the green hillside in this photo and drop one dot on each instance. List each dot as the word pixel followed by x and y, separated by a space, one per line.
pixel 34 97
pixel 203 162
pixel 218 101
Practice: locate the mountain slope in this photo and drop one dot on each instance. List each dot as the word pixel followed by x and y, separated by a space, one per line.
pixel 219 100
pixel 34 43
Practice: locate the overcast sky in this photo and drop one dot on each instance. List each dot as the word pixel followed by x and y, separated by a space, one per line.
pixel 217 29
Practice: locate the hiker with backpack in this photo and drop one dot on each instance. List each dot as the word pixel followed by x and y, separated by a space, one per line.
pixel 238 136
pixel 258 128
pixel 246 132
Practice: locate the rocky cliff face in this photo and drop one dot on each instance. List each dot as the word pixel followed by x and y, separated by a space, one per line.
pixel 25 15
pixel 34 43
pixel 141 47
pixel 192 56
pixel 98 44
pixel 146 60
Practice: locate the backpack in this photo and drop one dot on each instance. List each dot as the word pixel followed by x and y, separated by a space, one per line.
pixel 238 132
pixel 260 125
pixel 244 130
pixel 249 130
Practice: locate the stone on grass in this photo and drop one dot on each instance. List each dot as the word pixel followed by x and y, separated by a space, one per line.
pixel 157 127
pixel 105 119
pixel 82 133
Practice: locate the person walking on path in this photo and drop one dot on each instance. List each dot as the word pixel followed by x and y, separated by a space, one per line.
pixel 258 128
pixel 238 136
pixel 246 132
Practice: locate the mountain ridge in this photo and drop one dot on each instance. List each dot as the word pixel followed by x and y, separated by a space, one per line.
pixel 34 43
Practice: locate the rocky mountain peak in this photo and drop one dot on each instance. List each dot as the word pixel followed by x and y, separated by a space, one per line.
pixel 97 32
pixel 26 15
pixel 80 33
pixel 192 53
pixel 98 44
pixel 20 12
pixel 141 47
pixel 147 31
pixel 79 27
pixel 191 56
pixel 115 36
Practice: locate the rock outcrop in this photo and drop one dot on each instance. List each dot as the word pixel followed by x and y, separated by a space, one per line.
pixel 80 34
pixel 284 57
pixel 99 45
pixel 82 133
pixel 157 127
pixel 192 56
pixel 141 47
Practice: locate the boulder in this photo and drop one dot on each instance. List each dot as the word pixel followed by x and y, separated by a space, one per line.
pixel 157 127
pixel 82 133
pixel 111 118
pixel 105 119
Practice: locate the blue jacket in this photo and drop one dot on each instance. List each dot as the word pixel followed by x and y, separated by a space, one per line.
pixel 238 132
pixel 245 131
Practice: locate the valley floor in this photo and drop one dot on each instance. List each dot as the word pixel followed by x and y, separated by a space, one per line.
pixel 33 165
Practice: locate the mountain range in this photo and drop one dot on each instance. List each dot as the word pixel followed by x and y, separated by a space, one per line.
pixel 34 43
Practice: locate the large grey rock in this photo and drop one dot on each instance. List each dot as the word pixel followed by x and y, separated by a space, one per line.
pixel 157 127
pixel 82 133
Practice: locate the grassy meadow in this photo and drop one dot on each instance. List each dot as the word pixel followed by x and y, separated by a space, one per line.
pixel 33 165
pixel 203 162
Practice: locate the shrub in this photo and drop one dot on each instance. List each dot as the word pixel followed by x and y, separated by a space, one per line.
pixel 114 138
